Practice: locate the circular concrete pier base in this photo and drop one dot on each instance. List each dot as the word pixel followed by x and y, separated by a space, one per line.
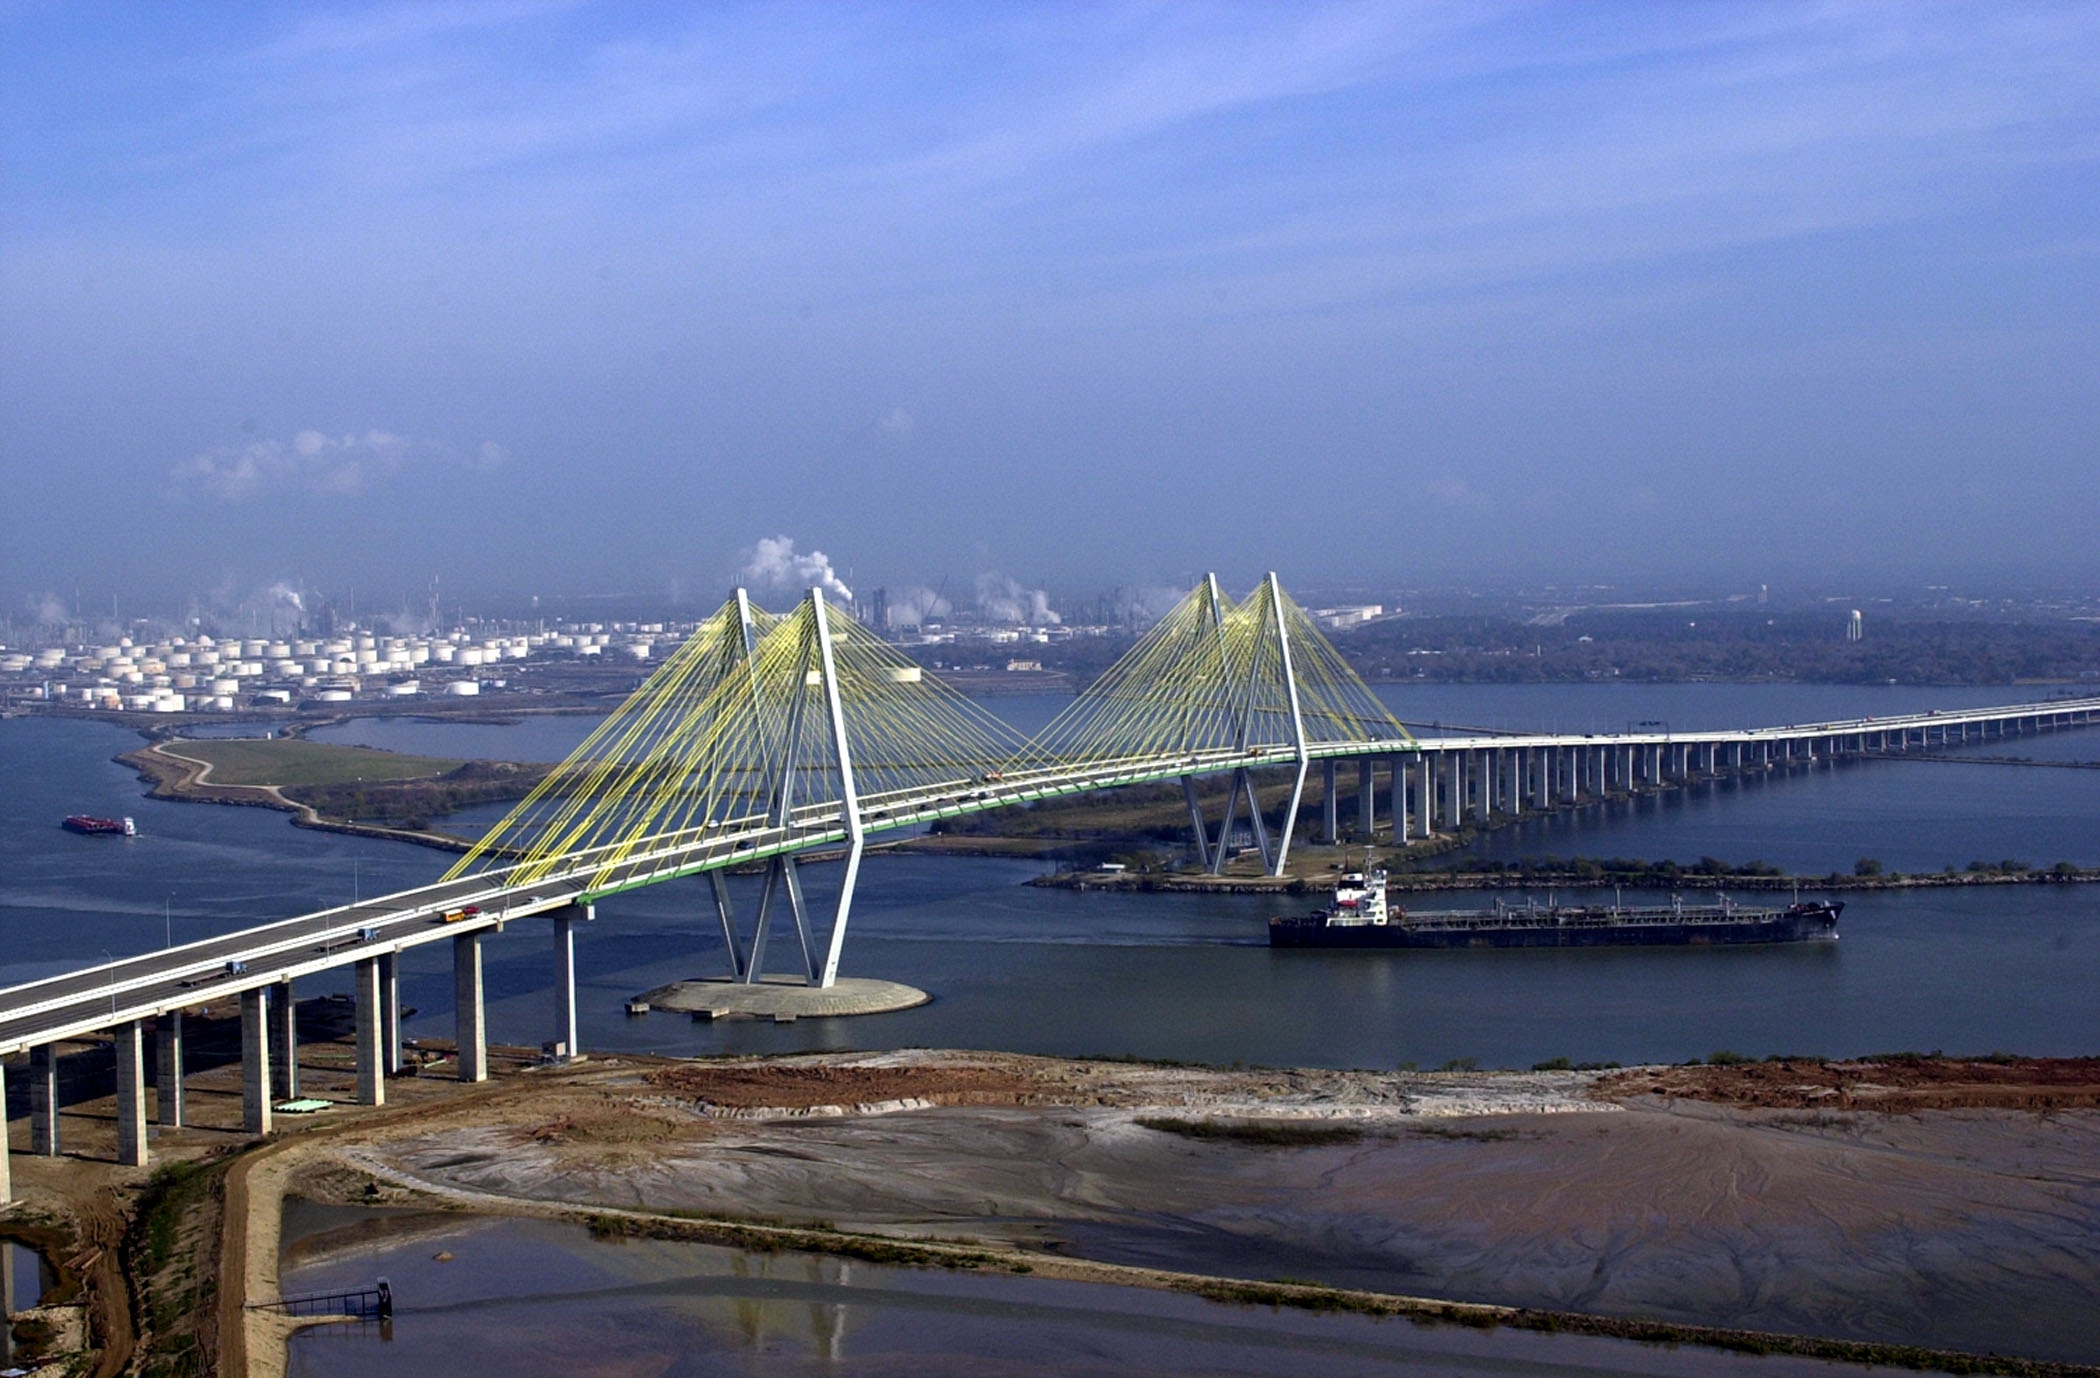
pixel 783 999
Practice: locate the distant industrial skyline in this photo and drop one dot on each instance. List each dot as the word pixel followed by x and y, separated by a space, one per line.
pixel 580 297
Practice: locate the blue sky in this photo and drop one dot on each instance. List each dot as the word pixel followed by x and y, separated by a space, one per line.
pixel 575 297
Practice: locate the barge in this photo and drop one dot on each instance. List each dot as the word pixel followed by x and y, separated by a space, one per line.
pixel 1360 917
pixel 89 826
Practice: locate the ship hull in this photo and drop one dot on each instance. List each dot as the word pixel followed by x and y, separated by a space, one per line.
pixel 1800 923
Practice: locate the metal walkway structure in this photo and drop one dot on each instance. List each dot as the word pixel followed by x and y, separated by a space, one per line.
pixel 767 737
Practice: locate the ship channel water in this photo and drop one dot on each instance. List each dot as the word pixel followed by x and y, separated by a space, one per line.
pixel 1189 976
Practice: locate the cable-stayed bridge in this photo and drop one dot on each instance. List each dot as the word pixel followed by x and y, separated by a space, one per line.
pixel 768 736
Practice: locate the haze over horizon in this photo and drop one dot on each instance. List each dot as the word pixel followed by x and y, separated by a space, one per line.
pixel 565 297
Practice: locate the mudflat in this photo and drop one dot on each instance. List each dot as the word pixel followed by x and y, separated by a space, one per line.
pixel 1782 1197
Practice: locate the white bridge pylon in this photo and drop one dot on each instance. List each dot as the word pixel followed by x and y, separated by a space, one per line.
pixel 764 735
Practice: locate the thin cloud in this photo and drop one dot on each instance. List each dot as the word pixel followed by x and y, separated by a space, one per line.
pixel 313 462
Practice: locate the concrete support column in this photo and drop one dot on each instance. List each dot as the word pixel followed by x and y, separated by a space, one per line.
pixel 1397 805
pixel 1425 794
pixel 255 1061
pixel 468 1016
pixel 1330 811
pixel 284 1043
pixel 1366 799
pixel 1454 783
pixel 565 984
pixel 390 1011
pixel 7 1194
pixel 1511 792
pixel 1483 784
pixel 167 1070
pixel 371 1032
pixel 131 1093
pixel 43 1100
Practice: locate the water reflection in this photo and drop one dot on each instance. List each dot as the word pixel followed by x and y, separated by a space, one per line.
pixel 532 1296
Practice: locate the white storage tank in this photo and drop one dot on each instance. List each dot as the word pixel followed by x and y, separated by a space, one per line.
pixel 333 696
pixel 407 688
pixel 463 688
pixel 226 686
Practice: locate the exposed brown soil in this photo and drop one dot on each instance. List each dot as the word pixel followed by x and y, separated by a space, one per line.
pixel 749 1086
pixel 1897 1086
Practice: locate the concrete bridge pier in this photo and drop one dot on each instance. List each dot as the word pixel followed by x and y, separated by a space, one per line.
pixel 565 1036
pixel 1197 827
pixel 167 1070
pixel 1330 812
pixel 390 1011
pixel 469 1018
pixel 255 1061
pixel 131 1093
pixel 7 1194
pixel 1397 806
pixel 1366 799
pixel 371 1032
pixel 43 1100
pixel 1425 793
pixel 284 1041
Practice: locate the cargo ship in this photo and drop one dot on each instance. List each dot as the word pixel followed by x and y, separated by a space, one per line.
pixel 1360 917
pixel 99 827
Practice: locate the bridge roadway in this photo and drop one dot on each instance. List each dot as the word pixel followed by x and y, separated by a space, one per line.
pixel 116 995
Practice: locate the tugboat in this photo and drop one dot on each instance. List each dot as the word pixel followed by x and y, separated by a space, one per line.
pixel 1360 917
pixel 90 826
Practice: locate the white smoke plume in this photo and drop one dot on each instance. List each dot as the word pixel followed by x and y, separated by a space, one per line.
pixel 1147 605
pixel 281 592
pixel 775 563
pixel 916 606
pixel 1000 599
pixel 46 609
